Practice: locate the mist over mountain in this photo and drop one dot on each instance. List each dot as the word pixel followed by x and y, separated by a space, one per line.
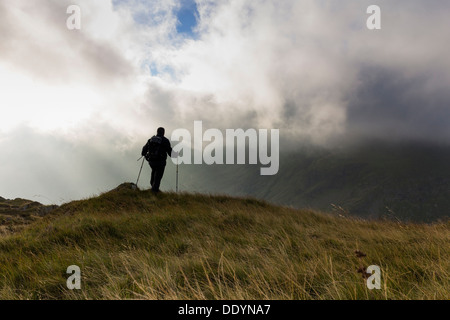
pixel 371 179
pixel 376 179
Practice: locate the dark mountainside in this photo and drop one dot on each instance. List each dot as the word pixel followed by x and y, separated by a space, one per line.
pixel 409 182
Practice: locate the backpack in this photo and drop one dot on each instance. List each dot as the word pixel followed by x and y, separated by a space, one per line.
pixel 152 150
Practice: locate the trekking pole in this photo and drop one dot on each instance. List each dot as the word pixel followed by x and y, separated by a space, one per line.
pixel 140 170
pixel 177 175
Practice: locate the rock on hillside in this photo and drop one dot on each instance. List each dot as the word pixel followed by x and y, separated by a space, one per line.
pixel 16 213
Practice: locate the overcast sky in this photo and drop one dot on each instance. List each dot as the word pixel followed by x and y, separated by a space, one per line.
pixel 76 106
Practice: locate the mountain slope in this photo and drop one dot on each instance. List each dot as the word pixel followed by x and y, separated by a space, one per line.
pixel 410 182
pixel 131 244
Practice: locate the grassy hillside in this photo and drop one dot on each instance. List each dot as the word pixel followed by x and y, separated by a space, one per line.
pixel 132 244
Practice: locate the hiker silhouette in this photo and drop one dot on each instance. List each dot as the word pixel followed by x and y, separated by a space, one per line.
pixel 155 152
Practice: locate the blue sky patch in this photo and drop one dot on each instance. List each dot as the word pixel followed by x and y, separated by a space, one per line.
pixel 187 17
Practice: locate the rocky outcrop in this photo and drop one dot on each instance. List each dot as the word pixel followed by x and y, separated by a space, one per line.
pixel 24 208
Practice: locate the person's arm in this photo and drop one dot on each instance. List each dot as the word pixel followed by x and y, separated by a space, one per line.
pixel 169 148
pixel 144 149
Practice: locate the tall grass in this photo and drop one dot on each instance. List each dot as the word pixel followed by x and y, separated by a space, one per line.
pixel 130 244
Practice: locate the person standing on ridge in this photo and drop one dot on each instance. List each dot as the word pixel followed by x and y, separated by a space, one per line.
pixel 155 152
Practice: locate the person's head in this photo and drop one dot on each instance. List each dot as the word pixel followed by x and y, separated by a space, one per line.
pixel 160 131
